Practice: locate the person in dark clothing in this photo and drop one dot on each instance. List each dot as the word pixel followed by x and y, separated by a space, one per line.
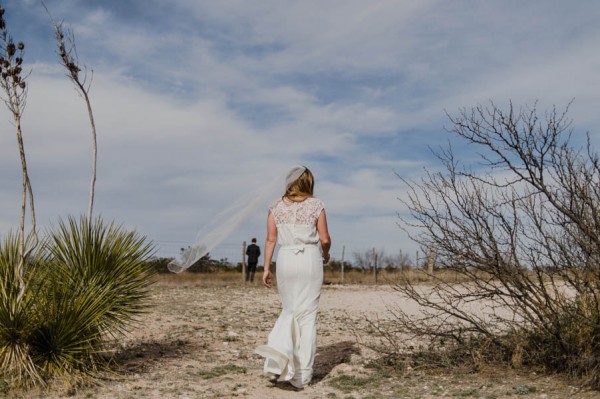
pixel 253 252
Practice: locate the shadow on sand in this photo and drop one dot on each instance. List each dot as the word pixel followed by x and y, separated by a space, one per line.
pixel 137 358
pixel 330 356
pixel 326 359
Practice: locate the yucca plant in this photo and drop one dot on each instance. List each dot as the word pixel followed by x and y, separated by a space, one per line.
pixel 105 258
pixel 68 343
pixel 100 283
pixel 89 283
pixel 18 299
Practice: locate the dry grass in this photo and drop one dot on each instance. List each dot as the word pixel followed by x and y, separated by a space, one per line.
pixel 351 277
pixel 388 276
pixel 215 279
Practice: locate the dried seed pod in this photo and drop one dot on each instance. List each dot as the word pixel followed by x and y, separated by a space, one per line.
pixel 73 68
pixel 1 11
pixel 10 50
pixel 19 60
pixel 22 85
pixel 4 75
pixel 21 46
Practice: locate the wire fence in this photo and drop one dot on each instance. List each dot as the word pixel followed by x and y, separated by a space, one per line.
pixel 233 253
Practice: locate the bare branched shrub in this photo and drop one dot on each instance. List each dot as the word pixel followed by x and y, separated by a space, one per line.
pixel 363 259
pixel 523 232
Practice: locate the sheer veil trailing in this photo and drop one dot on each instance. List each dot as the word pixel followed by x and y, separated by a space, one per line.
pixel 230 219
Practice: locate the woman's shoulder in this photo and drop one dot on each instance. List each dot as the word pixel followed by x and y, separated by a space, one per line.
pixel 314 205
pixel 315 201
pixel 275 203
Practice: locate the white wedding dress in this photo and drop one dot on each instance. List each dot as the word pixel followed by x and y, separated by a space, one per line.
pixel 291 347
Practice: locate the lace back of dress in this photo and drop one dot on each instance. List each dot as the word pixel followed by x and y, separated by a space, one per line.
pixel 302 213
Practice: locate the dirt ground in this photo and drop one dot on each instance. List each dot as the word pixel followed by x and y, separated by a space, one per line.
pixel 198 339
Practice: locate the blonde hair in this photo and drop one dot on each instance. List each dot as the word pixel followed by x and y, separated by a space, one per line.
pixel 301 188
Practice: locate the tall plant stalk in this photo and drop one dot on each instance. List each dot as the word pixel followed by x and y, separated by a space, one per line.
pixel 69 59
pixel 14 87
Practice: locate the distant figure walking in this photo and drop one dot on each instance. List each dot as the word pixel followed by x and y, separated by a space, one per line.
pixel 253 252
pixel 297 221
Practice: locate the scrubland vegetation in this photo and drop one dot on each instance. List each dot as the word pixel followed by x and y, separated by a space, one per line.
pixel 520 225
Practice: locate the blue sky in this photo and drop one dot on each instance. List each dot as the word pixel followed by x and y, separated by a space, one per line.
pixel 199 103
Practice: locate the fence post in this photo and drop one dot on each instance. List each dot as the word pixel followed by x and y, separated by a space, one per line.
pixel 343 250
pixel 244 262
pixel 430 261
pixel 374 266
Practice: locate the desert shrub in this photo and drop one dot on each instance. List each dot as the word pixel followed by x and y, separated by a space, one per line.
pixel 336 266
pixel 84 286
pixel 208 265
pixel 521 229
pixel 159 265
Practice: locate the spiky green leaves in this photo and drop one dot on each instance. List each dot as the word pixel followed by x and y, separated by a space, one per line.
pixel 85 285
pixel 105 258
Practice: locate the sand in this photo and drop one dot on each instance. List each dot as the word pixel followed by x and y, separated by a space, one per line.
pixel 197 341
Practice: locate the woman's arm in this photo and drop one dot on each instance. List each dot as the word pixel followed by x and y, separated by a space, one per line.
pixel 323 232
pixel 269 249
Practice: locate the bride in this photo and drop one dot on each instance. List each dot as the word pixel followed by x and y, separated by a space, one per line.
pixel 297 222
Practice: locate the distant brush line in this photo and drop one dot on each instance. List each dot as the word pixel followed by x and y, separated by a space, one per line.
pixel 232 251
